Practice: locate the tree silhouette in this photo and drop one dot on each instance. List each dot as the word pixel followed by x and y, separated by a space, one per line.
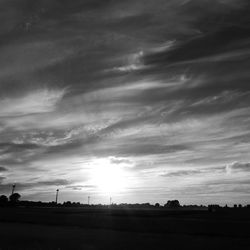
pixel 172 204
pixel 3 200
pixel 157 204
pixel 14 197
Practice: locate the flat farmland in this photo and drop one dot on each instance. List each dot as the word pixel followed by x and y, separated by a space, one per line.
pixel 106 228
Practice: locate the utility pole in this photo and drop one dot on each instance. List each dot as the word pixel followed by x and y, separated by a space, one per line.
pixel 88 199
pixel 57 191
pixel 110 200
pixel 13 189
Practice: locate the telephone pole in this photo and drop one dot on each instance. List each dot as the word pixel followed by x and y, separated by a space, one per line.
pixel 13 189
pixel 57 191
pixel 88 199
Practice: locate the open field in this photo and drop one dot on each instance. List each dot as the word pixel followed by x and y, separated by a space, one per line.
pixel 73 228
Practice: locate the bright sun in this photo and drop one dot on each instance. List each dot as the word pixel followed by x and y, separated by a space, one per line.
pixel 109 178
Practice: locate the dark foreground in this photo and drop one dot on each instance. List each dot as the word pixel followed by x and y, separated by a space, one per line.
pixel 78 228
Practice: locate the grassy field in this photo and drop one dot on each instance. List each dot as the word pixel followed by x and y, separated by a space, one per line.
pixel 77 228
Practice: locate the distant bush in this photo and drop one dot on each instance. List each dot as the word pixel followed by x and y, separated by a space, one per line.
pixel 3 200
pixel 213 207
pixel 172 204
pixel 14 198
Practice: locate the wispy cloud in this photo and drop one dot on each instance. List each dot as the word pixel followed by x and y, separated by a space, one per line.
pixel 238 167
pixel 34 185
pixel 157 87
pixel 182 173
pixel 39 101
pixel 3 169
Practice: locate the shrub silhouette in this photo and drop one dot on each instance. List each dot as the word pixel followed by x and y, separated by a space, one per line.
pixel 14 198
pixel 172 204
pixel 3 200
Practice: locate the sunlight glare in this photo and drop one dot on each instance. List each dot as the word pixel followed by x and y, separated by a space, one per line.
pixel 109 178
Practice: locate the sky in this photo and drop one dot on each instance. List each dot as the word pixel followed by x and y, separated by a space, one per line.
pixel 138 100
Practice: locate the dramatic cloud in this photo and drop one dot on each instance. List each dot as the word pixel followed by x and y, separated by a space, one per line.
pixel 35 185
pixel 3 169
pixel 182 173
pixel 153 88
pixel 1 179
pixel 238 166
pixel 36 102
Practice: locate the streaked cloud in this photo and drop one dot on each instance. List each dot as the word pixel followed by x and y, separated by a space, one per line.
pixel 39 101
pixel 238 167
pixel 3 169
pixel 157 88
pixel 182 173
